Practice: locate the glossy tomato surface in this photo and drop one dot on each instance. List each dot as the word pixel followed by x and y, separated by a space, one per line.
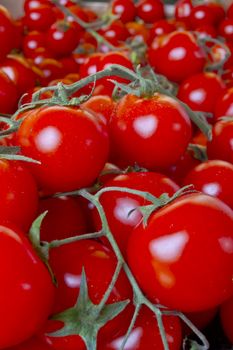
pixel 151 132
pixel 183 258
pixel 226 313
pixel 72 146
pixel 24 280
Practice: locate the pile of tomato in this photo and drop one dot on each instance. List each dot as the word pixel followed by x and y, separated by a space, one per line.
pixel 116 209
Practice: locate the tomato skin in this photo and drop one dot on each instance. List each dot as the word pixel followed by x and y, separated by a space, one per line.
pixel 140 126
pixel 125 9
pixel 226 313
pixel 224 105
pixel 8 94
pixel 99 263
pixel 200 91
pixel 201 15
pixel 183 9
pixel 33 40
pixel 65 218
pixel 150 10
pixel 177 56
pixel 145 334
pixel 102 105
pixel 213 178
pixel 62 38
pixel 117 205
pixel 200 319
pixel 51 135
pixel 196 228
pixel 161 27
pixel 51 69
pixel 32 344
pixel 220 147
pixel 115 33
pixel 40 18
pixel 20 72
pixel 226 29
pixel 18 193
pixel 23 275
pixel 7 32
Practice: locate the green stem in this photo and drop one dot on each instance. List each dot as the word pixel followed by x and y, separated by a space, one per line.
pixel 132 323
pixel 59 243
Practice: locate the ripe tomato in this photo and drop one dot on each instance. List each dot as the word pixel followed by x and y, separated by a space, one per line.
pixel 214 178
pixel 145 334
pixel 139 127
pixel 101 105
pixel 24 279
pixel 226 313
pixel 33 344
pixel 224 105
pixel 159 28
pixel 176 55
pixel 200 319
pixel 201 91
pixel 99 263
pixel 115 33
pixel 229 13
pixel 206 30
pixel 125 9
pixel 226 29
pixel 118 205
pixel 51 69
pixel 150 10
pixel 201 15
pixel 194 228
pixel 18 193
pixel 65 218
pixel 51 134
pixel 220 147
pixel 20 72
pixel 62 38
pixel 33 4
pixel 183 10
pixel 8 94
pixel 40 18
pixel 7 32
pixel 32 41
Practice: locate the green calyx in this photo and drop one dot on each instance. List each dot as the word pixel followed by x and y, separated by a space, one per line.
pixel 85 318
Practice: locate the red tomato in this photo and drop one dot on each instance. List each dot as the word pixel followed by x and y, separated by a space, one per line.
pixel 51 134
pixel 226 313
pixel 70 64
pixel 125 9
pixel 118 205
pixel 101 105
pixel 32 41
pixel 220 147
pixel 192 228
pixel 224 105
pixel 62 38
pixel 177 56
pixel 40 18
pixel 33 4
pixel 206 30
pixel 201 15
pixel 214 178
pixel 32 344
pixel 24 279
pixel 180 169
pixel 145 334
pixel 229 13
pixel 20 72
pixel 138 31
pixel 99 263
pixel 139 127
pixel 115 33
pixel 51 69
pixel 8 94
pixel 228 77
pixel 159 28
pixel 65 218
pixel 7 32
pixel 201 91
pixel 150 10
pixel 183 10
pixel 39 55
pixel 18 193
pixel 226 29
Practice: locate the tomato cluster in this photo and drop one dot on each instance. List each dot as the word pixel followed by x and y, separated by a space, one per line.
pixel 115 208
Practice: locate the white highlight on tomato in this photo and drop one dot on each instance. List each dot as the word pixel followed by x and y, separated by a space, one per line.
pixel 169 248
pixel 146 125
pixel 212 189
pixel 72 281
pixel 48 139
pixel 177 54
pixel 132 341
pixel 122 209
pixel 226 244
pixel 197 95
